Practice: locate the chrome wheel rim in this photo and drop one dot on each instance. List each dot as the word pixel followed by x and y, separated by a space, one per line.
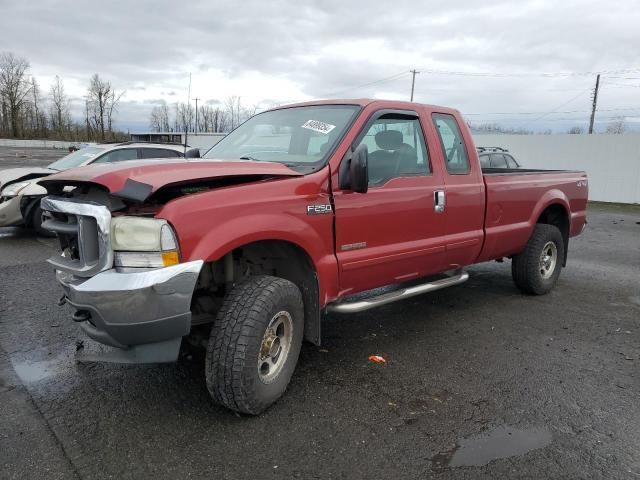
pixel 548 260
pixel 275 346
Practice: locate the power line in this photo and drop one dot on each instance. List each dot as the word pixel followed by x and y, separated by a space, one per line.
pixel 562 105
pixel 530 74
pixel 374 82
pixel 555 112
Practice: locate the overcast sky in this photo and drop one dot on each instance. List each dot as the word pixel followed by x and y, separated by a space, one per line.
pixel 282 51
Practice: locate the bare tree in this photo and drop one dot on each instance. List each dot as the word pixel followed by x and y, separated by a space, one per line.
pixel 59 112
pixel 102 101
pixel 184 117
pixel 576 130
pixel 232 105
pixel 617 127
pixel 212 119
pixel 14 88
pixel 159 118
pixel 112 107
pixel 39 126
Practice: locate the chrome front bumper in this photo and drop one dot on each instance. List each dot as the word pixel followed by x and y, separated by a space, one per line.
pixel 143 314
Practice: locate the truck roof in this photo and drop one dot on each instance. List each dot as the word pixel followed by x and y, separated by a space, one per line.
pixel 364 102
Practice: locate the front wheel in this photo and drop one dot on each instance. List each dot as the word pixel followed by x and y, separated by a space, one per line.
pixel 536 269
pixel 36 223
pixel 254 344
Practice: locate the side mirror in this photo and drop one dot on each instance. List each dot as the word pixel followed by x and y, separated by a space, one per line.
pixel 354 170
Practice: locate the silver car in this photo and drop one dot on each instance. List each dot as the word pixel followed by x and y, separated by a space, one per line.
pixel 20 193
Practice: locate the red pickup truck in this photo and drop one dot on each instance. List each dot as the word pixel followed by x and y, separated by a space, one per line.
pixel 287 218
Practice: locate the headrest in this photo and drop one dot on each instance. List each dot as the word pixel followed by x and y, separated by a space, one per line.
pixel 389 139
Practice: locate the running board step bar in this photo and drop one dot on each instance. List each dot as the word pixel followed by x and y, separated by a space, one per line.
pixel 372 302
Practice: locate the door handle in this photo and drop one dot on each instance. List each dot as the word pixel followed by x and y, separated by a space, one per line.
pixel 439 201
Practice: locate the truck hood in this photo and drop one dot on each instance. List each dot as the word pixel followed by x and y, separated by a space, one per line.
pixel 14 175
pixel 137 180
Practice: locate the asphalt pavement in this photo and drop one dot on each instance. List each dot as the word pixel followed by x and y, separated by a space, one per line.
pixel 480 381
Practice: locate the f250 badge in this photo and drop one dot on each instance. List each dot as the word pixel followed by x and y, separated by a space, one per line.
pixel 581 183
pixel 319 209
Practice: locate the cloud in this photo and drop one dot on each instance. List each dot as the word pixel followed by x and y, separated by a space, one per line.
pixel 288 51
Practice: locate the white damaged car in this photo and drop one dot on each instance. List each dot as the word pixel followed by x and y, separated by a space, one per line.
pixel 20 193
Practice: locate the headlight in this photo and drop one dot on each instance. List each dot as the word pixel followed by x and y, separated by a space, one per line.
pixel 14 189
pixel 143 242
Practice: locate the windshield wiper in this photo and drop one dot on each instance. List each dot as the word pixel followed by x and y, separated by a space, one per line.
pixel 248 157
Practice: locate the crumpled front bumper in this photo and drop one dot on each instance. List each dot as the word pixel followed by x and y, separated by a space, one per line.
pixel 143 314
pixel 10 213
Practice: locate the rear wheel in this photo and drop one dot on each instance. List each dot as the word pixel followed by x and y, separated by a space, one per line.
pixel 254 344
pixel 536 269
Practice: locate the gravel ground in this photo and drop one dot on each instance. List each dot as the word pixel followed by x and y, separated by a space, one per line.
pixel 11 157
pixel 480 382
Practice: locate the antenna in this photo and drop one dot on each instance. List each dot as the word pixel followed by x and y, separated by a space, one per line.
pixel 186 124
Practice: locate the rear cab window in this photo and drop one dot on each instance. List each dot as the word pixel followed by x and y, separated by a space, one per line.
pixel 452 144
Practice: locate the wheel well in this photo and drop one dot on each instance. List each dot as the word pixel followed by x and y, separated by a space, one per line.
pixel 268 257
pixel 557 215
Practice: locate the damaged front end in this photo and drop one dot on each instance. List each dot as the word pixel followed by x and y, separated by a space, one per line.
pixel 120 265
pixel 142 312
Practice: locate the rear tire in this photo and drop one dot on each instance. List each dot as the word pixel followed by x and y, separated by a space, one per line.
pixel 254 344
pixel 36 223
pixel 536 269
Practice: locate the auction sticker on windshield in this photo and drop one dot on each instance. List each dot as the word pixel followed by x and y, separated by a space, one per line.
pixel 318 126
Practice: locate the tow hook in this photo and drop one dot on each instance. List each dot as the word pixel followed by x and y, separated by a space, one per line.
pixel 62 301
pixel 81 316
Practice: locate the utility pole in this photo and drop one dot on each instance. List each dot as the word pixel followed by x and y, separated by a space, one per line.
pixel 595 103
pixel 413 81
pixel 196 99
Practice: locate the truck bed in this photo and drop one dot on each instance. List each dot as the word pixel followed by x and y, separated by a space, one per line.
pixel 515 199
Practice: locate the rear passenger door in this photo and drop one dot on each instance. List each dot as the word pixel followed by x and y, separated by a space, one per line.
pixel 464 192
pixel 392 233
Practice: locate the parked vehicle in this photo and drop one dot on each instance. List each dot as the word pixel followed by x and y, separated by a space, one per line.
pixel 496 157
pixel 297 210
pixel 20 193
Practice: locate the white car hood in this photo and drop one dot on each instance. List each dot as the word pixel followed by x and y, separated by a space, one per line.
pixel 24 173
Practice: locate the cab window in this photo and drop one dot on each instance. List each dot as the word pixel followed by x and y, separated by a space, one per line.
pixel 396 148
pixel 452 144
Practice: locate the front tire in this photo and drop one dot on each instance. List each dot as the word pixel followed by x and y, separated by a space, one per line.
pixel 536 269
pixel 254 344
pixel 36 223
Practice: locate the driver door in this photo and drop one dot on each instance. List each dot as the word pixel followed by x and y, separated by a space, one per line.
pixel 392 233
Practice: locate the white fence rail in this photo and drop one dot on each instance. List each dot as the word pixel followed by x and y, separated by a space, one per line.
pixel 612 162
pixel 9 142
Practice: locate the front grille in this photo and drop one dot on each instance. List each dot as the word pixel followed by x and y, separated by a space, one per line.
pixel 83 230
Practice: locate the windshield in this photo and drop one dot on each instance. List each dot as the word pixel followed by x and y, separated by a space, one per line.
pixel 77 158
pixel 296 137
